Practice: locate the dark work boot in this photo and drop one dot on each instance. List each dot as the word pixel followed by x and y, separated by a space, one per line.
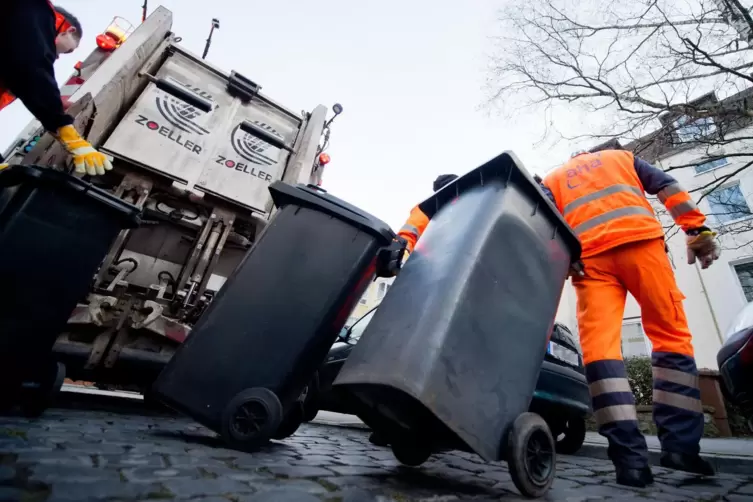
pixel 636 477
pixel 693 464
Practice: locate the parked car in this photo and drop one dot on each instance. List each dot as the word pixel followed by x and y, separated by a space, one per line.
pixel 561 395
pixel 735 360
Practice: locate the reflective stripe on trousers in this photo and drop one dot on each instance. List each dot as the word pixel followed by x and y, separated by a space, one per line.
pixel 409 229
pixel 609 215
pixel 678 411
pixel 614 411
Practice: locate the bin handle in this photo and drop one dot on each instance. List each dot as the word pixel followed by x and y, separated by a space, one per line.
pixel 264 135
pixel 179 92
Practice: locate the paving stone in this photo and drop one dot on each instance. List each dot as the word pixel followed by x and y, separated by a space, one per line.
pixel 357 470
pixel 130 461
pixel 283 495
pixel 358 460
pixel 49 474
pixel 7 473
pixel 358 495
pixel 314 460
pixel 587 480
pixel 57 457
pixel 10 494
pixel 571 472
pixel 500 476
pixel 151 475
pixel 745 489
pixel 194 487
pixel 303 485
pixel 94 448
pixel 72 491
pixel 299 471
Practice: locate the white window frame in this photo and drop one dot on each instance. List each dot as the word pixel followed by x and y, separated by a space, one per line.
pixel 736 263
pixel 725 186
pixel 646 341
pixel 726 163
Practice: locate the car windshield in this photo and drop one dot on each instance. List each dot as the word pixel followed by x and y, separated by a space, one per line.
pixel 743 320
pixel 359 327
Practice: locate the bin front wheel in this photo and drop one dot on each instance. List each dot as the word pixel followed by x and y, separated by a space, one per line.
pixel 410 453
pixel 530 455
pixel 250 419
pixel 573 436
pixel 291 422
pixel 40 395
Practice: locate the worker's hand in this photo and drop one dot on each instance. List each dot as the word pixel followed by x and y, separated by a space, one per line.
pixel 85 157
pixel 3 166
pixel 577 269
pixel 390 259
pixel 702 246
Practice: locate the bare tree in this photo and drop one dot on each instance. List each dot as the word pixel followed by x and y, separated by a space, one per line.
pixel 669 74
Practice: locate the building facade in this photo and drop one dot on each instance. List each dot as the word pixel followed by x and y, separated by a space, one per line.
pixel 722 185
pixel 370 299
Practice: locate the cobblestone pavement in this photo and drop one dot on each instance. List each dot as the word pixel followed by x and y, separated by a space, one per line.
pixel 85 455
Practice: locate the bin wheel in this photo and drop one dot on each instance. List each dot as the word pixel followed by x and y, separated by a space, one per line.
pixel 410 453
pixel 530 455
pixel 311 401
pixel 34 401
pixel 291 422
pixel 574 435
pixel 250 419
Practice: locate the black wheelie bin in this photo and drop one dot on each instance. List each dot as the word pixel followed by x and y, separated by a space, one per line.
pixel 243 368
pixel 451 358
pixel 55 230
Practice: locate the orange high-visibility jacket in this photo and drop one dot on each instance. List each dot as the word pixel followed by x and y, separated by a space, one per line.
pixel 601 196
pixel 414 227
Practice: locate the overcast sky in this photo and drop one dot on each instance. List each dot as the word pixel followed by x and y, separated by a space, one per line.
pixel 409 74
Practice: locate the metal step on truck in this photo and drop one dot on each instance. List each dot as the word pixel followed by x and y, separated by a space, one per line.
pixel 195 148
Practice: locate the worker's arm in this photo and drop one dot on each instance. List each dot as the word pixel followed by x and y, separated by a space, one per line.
pixel 677 201
pixel 28 44
pixel 413 228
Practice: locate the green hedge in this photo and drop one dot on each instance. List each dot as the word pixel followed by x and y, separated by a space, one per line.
pixel 639 375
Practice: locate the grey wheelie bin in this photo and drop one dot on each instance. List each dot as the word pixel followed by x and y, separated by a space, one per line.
pixel 55 230
pixel 243 369
pixel 451 358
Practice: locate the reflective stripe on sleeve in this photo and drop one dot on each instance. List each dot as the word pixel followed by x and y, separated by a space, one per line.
pixel 667 192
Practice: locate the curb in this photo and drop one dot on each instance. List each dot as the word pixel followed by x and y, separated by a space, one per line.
pixel 726 464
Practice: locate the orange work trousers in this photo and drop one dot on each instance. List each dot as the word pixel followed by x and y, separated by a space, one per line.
pixel 643 269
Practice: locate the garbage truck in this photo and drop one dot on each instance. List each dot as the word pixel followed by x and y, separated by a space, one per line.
pixel 194 148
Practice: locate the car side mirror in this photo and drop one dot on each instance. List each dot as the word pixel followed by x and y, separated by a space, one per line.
pixel 344 334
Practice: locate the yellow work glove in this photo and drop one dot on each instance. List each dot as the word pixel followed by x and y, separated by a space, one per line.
pixel 3 166
pixel 85 157
pixel 702 246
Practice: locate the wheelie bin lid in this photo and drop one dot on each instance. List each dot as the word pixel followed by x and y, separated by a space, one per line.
pixel 505 168
pixel 39 176
pixel 314 197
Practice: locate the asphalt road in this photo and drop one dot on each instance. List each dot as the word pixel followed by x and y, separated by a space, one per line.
pixel 102 455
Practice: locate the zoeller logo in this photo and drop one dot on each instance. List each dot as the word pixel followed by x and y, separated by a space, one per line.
pixel 169 133
pixel 180 114
pixel 252 148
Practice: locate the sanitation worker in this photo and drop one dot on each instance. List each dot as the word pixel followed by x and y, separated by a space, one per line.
pixel 33 33
pixel 602 197
pixel 417 221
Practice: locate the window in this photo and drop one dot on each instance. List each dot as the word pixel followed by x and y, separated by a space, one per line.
pixel 708 166
pixel 360 326
pixel 744 273
pixel 363 300
pixel 634 341
pixel 728 204
pixel 691 130
pixel 382 290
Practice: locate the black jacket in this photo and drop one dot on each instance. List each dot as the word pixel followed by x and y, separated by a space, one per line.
pixel 27 58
